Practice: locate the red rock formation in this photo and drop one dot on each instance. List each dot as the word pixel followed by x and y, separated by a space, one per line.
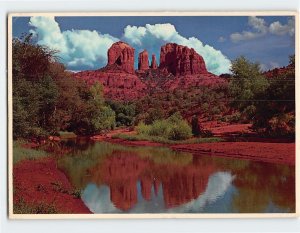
pixel 143 61
pixel 180 67
pixel 122 55
pixel 181 60
pixel 153 62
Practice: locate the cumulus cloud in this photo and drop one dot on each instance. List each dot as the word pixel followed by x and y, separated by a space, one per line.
pixel 260 28
pixel 257 24
pixel 88 49
pixel 279 29
pixel 152 37
pixel 77 48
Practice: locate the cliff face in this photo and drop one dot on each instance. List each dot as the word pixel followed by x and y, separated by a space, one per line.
pixel 181 60
pixel 122 55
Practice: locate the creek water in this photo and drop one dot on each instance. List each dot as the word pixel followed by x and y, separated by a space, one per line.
pixel 121 179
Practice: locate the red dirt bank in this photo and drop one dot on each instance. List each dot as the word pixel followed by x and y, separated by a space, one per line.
pixel 258 151
pixel 39 181
pixel 255 148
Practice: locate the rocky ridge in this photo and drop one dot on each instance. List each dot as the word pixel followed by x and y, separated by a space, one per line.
pixel 180 67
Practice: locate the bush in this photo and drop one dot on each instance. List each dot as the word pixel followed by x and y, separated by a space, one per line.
pixel 160 128
pixel 143 129
pixel 173 128
pixel 180 131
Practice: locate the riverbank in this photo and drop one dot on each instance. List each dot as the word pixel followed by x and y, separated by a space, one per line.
pixel 39 187
pixel 249 146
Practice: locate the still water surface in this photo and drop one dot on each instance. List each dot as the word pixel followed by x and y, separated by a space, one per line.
pixel 122 179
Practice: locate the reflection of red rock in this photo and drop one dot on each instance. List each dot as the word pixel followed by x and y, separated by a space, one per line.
pixel 143 61
pixel 122 171
pixel 185 185
pixel 181 60
pixel 146 185
pixel 124 196
pixel 122 55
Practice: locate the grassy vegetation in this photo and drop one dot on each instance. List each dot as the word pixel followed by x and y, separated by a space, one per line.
pixel 66 135
pixel 20 153
pixel 142 137
pixel 21 207
pixel 172 128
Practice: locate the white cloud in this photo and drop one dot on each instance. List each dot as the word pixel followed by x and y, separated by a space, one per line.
pixel 260 28
pixel 152 37
pixel 82 48
pixel 88 49
pixel 279 29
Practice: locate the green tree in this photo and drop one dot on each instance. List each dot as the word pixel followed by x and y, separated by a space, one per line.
pixel 34 91
pixel 246 84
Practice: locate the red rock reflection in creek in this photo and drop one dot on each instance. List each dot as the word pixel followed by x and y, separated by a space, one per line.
pixel 123 170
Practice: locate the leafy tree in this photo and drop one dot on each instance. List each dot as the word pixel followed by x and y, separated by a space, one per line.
pixel 94 116
pixel 46 99
pixel 34 92
pixel 125 112
pixel 246 84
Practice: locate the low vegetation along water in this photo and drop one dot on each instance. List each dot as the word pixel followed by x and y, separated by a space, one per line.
pixel 121 179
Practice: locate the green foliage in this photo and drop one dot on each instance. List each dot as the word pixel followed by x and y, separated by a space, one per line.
pixel 246 84
pixel 94 116
pixel 46 99
pixel 22 153
pixel 143 129
pixel 173 128
pixel 268 103
pixel 143 137
pixel 125 112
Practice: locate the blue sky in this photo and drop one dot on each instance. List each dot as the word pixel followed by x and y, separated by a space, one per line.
pixel 83 41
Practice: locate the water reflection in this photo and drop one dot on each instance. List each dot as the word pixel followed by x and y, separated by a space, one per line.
pixel 120 179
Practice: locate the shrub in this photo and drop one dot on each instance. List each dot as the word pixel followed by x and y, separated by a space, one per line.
pixel 142 128
pixel 180 131
pixel 173 128
pixel 160 128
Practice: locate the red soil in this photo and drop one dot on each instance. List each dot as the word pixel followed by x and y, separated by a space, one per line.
pixel 39 181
